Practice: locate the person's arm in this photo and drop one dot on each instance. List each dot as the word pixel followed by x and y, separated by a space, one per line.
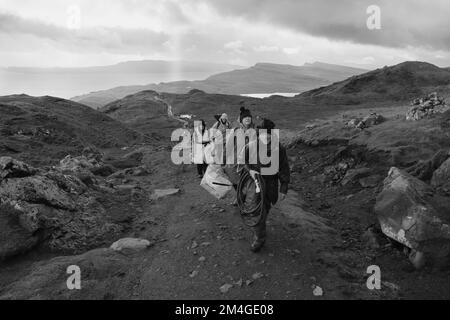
pixel 284 174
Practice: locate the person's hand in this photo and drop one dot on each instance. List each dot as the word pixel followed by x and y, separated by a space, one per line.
pixel 253 174
pixel 282 197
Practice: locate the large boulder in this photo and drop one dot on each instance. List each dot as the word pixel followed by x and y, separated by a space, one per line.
pixel 14 238
pixel 441 177
pixel 410 213
pixel 36 189
pixel 61 209
pixel 102 272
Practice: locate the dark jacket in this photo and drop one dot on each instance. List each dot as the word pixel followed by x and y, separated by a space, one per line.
pixel 277 182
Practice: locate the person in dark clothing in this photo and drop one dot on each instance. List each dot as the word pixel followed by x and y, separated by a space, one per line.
pixel 201 140
pixel 276 185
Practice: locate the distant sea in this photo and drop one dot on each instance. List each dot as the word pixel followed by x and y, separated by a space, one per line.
pixel 67 85
pixel 267 95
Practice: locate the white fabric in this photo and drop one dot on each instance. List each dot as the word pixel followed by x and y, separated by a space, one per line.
pixel 216 182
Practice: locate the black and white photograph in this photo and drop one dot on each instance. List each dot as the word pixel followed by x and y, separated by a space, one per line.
pixel 224 157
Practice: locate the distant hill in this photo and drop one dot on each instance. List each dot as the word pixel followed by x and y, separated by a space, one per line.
pixel 69 82
pixel 396 83
pixel 261 78
pixel 386 87
pixel 147 111
pixel 43 130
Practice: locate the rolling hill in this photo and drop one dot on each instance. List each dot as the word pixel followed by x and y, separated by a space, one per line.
pixel 261 78
pixel 401 82
pixel 387 87
pixel 45 129
pixel 147 111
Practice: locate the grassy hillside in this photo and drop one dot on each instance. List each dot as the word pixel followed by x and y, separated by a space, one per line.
pixel 401 82
pixel 45 129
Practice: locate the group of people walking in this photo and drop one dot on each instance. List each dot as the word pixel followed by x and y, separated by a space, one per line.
pixel 276 185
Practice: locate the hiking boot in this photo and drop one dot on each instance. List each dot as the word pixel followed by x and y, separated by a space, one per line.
pixel 257 245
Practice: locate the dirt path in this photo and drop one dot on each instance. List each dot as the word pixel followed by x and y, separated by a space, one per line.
pixel 204 246
pixel 201 245
pixel 311 242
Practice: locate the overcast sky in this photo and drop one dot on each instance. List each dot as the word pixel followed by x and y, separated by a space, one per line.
pixel 48 32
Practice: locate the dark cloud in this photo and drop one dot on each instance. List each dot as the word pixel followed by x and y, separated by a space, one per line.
pixel 117 40
pixel 416 23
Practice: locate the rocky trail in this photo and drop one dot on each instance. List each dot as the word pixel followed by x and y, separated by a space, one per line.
pixel 200 250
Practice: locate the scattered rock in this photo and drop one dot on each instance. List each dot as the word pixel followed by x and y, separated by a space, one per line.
pixel 318 291
pixel 82 167
pixel 225 288
pixel 426 107
pixel 193 274
pixel 130 244
pixel 257 276
pixel 202 259
pixel 161 193
pixel 417 259
pixel 371 120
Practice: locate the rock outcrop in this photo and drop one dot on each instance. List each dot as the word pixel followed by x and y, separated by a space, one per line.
pixel 10 168
pixel 14 238
pixel 371 120
pixel 426 107
pixel 424 170
pixel 410 213
pixel 58 207
pixel 441 178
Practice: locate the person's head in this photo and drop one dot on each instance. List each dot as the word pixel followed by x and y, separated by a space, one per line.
pixel 246 117
pixel 265 131
pixel 224 118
